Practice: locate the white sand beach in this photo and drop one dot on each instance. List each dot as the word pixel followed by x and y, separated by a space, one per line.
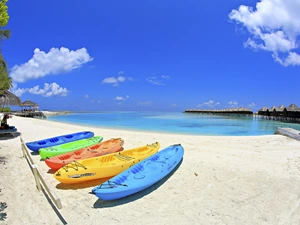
pixel 221 180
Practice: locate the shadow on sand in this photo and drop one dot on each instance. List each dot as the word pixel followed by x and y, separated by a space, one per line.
pixel 86 184
pixel 50 171
pixel 57 212
pixel 9 136
pixel 34 153
pixel 107 204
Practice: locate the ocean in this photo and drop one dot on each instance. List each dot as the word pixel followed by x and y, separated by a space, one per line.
pixel 175 122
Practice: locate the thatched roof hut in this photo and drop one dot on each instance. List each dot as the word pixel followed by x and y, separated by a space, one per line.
pixel 270 111
pixel 293 107
pixel 30 104
pixel 263 111
pixel 8 98
pixel 292 111
pixel 279 111
pixel 280 108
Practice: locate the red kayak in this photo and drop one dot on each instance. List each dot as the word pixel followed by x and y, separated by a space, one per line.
pixel 102 148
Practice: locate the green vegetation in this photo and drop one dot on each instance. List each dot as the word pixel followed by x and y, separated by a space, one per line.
pixel 5 109
pixel 3 13
pixel 5 80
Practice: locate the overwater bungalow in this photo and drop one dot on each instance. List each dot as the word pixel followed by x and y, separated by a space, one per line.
pixel 292 111
pixel 270 111
pixel 278 111
pixel 282 113
pixel 230 111
pixel 263 111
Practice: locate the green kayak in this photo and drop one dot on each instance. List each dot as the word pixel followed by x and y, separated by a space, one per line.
pixel 68 147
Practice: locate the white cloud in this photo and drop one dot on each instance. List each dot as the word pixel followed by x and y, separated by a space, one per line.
pixel 129 78
pixel 110 80
pixel 157 80
pixel 56 61
pixel 121 79
pixel 148 103
pixel 115 81
pixel 19 91
pixel 233 103
pixel 252 105
pixel 49 90
pixel 86 96
pixel 209 104
pixel 292 59
pixel 120 98
pixel 274 26
pixel 173 105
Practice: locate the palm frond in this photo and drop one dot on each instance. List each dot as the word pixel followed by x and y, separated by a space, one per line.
pixel 4 34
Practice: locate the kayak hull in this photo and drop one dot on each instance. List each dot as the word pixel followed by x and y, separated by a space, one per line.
pixel 104 166
pixel 142 175
pixel 58 140
pixel 68 147
pixel 102 148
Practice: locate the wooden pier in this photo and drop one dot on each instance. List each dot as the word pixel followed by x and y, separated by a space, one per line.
pixel 32 114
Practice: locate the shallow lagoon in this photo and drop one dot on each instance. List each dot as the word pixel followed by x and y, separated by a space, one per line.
pixel 176 122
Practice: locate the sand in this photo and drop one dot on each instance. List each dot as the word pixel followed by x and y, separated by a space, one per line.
pixel 221 180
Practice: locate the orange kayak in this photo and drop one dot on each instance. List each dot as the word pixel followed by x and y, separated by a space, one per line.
pixel 102 148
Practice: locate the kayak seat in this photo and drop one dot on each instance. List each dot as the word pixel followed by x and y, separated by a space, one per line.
pixel 69 136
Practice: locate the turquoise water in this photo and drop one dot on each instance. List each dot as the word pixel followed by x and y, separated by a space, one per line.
pixel 178 122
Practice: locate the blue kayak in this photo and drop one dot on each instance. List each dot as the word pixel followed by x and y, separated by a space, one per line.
pixel 63 139
pixel 141 175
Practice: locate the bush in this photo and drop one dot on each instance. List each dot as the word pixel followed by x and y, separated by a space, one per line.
pixel 6 109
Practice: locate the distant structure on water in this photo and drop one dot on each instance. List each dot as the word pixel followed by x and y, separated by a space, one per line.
pixel 286 114
pixel 232 111
pixel 30 109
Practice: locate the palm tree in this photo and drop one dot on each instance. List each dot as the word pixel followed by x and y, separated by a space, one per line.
pixel 5 80
pixel 4 34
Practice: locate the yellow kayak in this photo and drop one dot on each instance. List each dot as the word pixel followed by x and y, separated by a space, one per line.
pixel 104 166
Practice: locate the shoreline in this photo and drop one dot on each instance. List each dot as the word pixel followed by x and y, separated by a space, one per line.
pixel 55 113
pixel 221 180
pixel 237 127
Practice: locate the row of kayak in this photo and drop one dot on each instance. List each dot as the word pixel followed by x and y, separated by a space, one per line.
pixel 127 171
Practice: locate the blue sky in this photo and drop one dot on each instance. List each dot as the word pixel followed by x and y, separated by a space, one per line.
pixel 154 55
